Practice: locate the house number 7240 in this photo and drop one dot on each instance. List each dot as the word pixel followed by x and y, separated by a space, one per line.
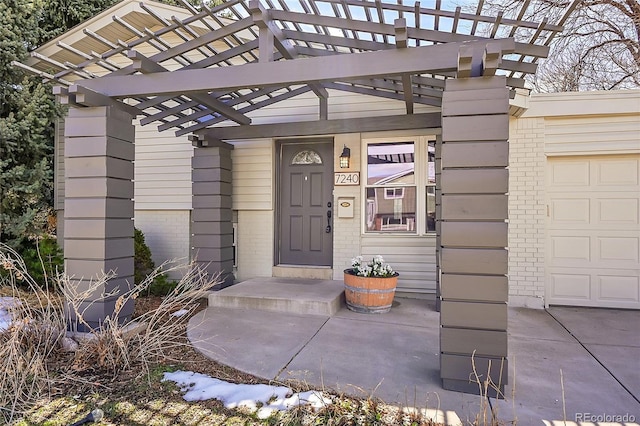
pixel 347 178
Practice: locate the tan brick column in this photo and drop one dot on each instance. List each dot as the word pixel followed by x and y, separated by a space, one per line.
pixel 98 214
pixel 473 232
pixel 211 218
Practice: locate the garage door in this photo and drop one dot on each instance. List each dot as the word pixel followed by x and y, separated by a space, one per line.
pixel 593 231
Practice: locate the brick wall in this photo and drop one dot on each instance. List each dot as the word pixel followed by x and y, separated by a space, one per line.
pixel 346 231
pixel 255 244
pixel 527 212
pixel 167 234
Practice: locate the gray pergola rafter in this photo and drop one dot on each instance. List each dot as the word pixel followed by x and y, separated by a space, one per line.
pixel 213 65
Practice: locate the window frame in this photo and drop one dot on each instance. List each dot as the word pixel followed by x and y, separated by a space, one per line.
pixel 421 182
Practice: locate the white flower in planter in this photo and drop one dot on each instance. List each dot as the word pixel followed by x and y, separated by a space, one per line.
pixel 375 268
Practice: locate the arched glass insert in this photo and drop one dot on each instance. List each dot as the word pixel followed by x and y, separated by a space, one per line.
pixel 308 156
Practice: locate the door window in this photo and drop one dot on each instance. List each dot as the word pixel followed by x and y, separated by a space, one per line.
pixel 307 156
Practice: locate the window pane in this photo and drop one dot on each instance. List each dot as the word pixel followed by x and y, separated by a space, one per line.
pixel 431 209
pixel 391 209
pixel 431 166
pixel 390 163
pixel 307 157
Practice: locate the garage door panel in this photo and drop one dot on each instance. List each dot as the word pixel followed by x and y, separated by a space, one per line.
pixel 623 289
pixel 593 287
pixel 618 249
pixel 617 211
pixel 623 172
pixel 585 248
pixel 569 173
pixel 570 287
pixel 570 250
pixel 570 211
pixel 593 231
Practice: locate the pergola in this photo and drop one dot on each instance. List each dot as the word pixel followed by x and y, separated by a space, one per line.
pixel 205 74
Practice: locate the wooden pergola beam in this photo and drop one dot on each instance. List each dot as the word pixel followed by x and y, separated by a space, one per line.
pixel 269 101
pixel 147 66
pixel 268 28
pixel 389 30
pixel 89 98
pixel 372 91
pixel 326 127
pixel 190 45
pixel 400 26
pixel 417 60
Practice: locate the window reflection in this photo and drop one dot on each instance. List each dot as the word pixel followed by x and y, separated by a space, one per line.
pixel 431 209
pixel 390 163
pixel 391 209
pixel 431 159
pixel 391 204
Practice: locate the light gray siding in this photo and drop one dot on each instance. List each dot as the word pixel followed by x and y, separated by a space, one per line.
pixel 341 105
pixel 162 170
pixel 253 175
pixel 414 257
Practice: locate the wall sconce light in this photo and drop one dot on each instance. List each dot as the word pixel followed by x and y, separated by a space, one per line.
pixel 344 158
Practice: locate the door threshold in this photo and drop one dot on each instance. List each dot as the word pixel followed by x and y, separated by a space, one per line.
pixel 303 271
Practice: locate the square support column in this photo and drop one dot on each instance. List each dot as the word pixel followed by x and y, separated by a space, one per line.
pixel 473 234
pixel 98 215
pixel 211 218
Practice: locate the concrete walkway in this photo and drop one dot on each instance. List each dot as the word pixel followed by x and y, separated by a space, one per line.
pixel 595 353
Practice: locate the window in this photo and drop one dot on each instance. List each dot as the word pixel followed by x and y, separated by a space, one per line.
pixel 430 193
pixel 395 170
pixel 307 156
pixel 393 193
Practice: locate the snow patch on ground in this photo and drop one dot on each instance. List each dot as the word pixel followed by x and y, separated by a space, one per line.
pixel 6 303
pixel 262 399
pixel 180 313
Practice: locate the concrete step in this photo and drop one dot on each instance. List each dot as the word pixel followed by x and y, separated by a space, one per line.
pixel 289 295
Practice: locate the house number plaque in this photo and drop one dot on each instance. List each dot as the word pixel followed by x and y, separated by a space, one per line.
pixel 347 178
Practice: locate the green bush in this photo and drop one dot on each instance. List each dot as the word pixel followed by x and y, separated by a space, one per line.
pixel 43 259
pixel 144 265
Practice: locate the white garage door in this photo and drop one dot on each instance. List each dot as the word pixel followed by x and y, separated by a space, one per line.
pixel 593 231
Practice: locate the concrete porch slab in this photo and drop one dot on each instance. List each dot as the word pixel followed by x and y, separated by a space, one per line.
pixel 395 356
pixel 614 326
pixel 288 295
pixel 535 392
pixel 254 341
pixel 622 361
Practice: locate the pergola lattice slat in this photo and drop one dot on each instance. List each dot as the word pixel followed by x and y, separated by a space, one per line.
pixel 224 58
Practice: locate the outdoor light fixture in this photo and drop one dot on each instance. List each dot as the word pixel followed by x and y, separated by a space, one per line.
pixel 344 158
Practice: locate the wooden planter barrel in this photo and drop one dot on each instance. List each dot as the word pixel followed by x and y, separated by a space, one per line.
pixel 369 294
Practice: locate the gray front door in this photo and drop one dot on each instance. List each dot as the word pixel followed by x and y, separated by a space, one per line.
pixel 306 225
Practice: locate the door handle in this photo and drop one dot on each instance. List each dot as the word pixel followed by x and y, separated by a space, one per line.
pixel 328 228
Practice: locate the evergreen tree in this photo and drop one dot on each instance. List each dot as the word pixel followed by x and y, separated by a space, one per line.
pixel 59 16
pixel 27 114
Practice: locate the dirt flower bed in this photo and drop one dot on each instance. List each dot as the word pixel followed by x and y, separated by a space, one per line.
pixel 137 397
pixel 52 378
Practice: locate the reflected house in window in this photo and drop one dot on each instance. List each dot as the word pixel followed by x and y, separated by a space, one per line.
pixel 391 187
